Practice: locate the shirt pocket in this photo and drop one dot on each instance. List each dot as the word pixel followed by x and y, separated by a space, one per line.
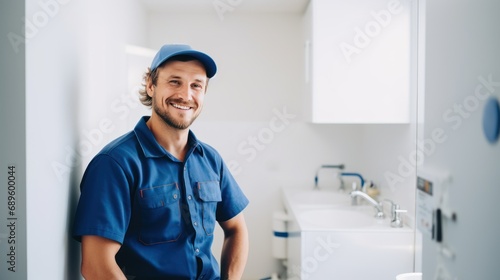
pixel 209 195
pixel 160 212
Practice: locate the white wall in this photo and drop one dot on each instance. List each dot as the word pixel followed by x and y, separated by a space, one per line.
pixel 260 60
pixel 74 68
pixel 389 160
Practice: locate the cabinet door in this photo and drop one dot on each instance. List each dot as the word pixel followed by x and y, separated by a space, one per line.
pixel 359 60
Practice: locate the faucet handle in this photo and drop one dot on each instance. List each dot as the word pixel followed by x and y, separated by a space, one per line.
pixel 395 210
pixel 396 218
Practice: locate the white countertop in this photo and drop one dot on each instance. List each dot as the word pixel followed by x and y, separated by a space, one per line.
pixel 328 210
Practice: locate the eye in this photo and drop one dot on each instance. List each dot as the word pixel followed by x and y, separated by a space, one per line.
pixel 174 82
pixel 197 86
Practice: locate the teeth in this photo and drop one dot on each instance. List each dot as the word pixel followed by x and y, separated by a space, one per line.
pixel 181 107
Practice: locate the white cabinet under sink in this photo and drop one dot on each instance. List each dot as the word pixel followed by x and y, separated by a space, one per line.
pixel 357 60
pixel 349 254
pixel 331 239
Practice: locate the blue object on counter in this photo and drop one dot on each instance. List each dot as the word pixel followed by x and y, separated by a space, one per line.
pixel 286 234
pixel 356 175
pixel 491 119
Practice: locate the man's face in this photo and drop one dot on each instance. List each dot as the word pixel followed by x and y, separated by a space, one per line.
pixel 179 92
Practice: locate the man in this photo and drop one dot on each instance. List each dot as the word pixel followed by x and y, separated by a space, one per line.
pixel 149 200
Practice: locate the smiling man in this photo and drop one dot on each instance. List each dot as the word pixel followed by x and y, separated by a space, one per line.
pixel 151 198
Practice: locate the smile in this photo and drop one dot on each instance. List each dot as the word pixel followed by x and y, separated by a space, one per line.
pixel 181 107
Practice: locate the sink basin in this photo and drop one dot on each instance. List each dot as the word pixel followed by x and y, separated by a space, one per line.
pixel 339 219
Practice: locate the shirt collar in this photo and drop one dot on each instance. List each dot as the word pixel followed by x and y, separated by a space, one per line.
pixel 151 147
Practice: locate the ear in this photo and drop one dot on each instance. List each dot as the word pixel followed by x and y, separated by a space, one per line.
pixel 149 87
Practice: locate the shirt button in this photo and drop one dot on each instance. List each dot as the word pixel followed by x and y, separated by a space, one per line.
pixel 197 250
pixel 195 223
pixel 190 197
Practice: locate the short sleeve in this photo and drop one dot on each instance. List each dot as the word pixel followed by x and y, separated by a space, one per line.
pixel 233 199
pixel 104 208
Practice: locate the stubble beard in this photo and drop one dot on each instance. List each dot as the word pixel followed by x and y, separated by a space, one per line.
pixel 170 120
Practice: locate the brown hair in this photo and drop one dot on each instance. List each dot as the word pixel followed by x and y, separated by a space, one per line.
pixel 152 76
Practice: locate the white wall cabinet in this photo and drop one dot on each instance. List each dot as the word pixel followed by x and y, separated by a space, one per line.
pixel 357 60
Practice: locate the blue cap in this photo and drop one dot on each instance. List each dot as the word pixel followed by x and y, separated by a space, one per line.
pixel 169 51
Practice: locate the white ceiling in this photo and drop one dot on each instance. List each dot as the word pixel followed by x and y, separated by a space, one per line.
pixel 244 6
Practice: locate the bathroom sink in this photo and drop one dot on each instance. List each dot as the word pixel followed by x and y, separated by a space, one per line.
pixel 352 217
pixel 334 235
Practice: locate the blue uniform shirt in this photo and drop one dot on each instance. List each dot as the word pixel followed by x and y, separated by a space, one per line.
pixel 163 211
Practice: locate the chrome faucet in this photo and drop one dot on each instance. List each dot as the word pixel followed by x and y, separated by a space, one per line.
pixel 339 166
pixel 377 205
pixel 396 210
pixel 345 174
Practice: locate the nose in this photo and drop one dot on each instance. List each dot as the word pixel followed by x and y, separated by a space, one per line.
pixel 185 92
